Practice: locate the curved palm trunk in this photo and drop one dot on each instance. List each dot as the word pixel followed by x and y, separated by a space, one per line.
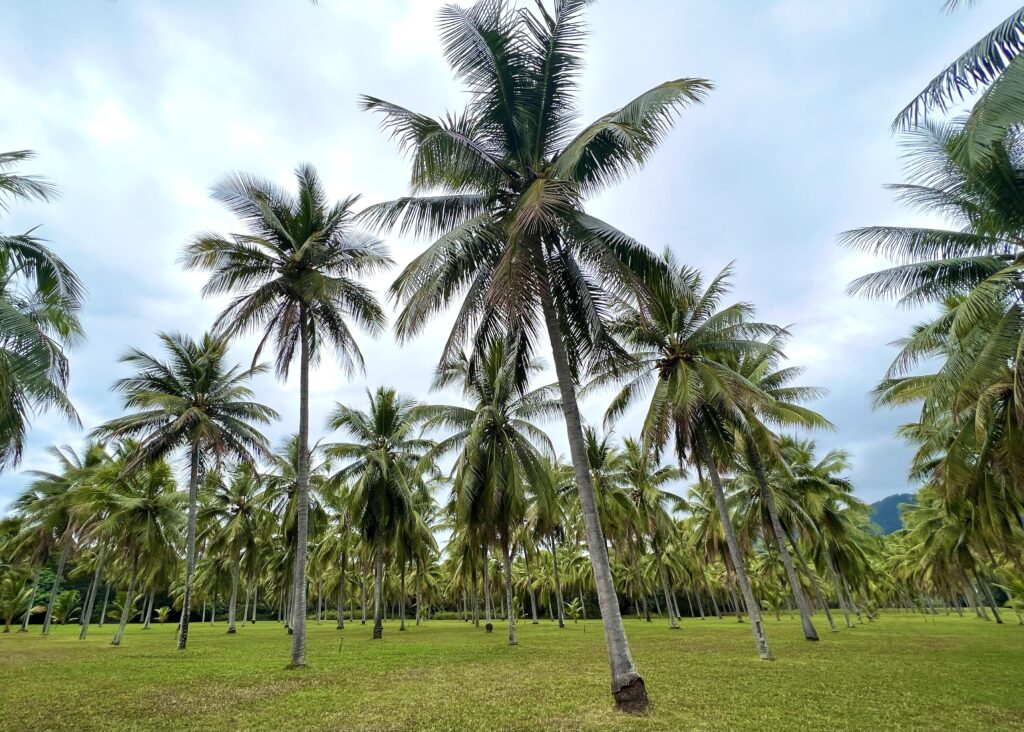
pixel 233 603
pixel 734 551
pixel 987 592
pixel 476 602
pixel 419 594
pixel 94 590
pixel 506 558
pixel 487 587
pixel 301 497
pixel 255 599
pixel 401 601
pixel 362 590
pixel 190 547
pixel 558 583
pixel 529 584
pixel 31 599
pixel 378 579
pixel 148 605
pixel 627 685
pixel 840 598
pixel 103 610
pixel 55 590
pixel 129 605
pixel 780 541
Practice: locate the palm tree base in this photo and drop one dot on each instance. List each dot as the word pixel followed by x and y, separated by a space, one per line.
pixel 295 666
pixel 631 698
pixel 231 631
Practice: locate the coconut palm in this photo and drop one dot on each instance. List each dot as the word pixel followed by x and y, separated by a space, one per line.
pixel 385 465
pixel 193 401
pixel 500 188
pixel 499 450
pixel 295 277
pixel 40 298
pixel 685 344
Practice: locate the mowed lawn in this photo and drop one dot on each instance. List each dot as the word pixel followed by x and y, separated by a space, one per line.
pixel 899 672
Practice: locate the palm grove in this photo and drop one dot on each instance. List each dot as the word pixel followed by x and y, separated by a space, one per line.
pixel 456 504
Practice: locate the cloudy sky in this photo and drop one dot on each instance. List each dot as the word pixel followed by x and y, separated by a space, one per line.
pixel 136 107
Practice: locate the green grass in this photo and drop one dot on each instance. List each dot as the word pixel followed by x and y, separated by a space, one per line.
pixel 899 672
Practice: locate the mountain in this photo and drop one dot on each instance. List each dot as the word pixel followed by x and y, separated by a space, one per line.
pixel 886 514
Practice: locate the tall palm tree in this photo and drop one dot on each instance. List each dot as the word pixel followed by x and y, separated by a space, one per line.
pixel 295 277
pixel 684 344
pixel 499 450
pixel 500 188
pixel 40 298
pixel 193 401
pixel 385 462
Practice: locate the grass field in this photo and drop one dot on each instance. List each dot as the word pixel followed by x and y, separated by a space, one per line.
pixel 899 672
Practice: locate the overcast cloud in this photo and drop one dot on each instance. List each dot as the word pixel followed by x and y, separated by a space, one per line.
pixel 137 107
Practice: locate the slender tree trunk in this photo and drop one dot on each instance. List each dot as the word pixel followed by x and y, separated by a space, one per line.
pixel 814 584
pixel 255 599
pixel 734 550
pixel 673 623
pixel 401 599
pixel 476 602
pixel 94 589
pixel 378 580
pixel 506 557
pixel 31 599
pixel 129 605
pixel 56 585
pixel 190 547
pixel 627 685
pixel 233 603
pixel 103 610
pixel 362 589
pixel 839 589
pixel 419 593
pixel 149 608
pixel 558 583
pixel 302 496
pixel 487 587
pixel 987 592
pixel 341 592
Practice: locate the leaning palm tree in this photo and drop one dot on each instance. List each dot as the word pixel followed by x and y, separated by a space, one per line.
pixel 500 189
pixel 295 276
pixel 385 465
pixel 40 298
pixel 684 344
pixel 194 401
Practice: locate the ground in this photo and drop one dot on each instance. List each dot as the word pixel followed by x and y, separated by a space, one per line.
pixel 898 672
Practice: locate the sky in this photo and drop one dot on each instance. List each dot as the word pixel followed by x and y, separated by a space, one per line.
pixel 136 108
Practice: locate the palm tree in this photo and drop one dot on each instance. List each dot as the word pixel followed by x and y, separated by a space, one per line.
pixel 500 188
pixel 40 298
pixel 994 64
pixel 385 461
pixel 141 517
pixel 193 401
pixel 295 278
pixel 684 345
pixel 499 449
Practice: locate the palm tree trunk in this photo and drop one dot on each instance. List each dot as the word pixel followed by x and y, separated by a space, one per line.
pixel 378 580
pixel 627 685
pixel 255 599
pixel 362 589
pixel 476 602
pixel 190 547
pixel 129 605
pixel 31 599
pixel 506 557
pixel 94 589
pixel 149 608
pixel 341 592
pixel 663 575
pixel 839 590
pixel 419 593
pixel 734 550
pixel 558 583
pixel 56 586
pixel 814 584
pixel 401 600
pixel 233 603
pixel 987 592
pixel 787 561
pixel 302 496
pixel 103 610
pixel 487 587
